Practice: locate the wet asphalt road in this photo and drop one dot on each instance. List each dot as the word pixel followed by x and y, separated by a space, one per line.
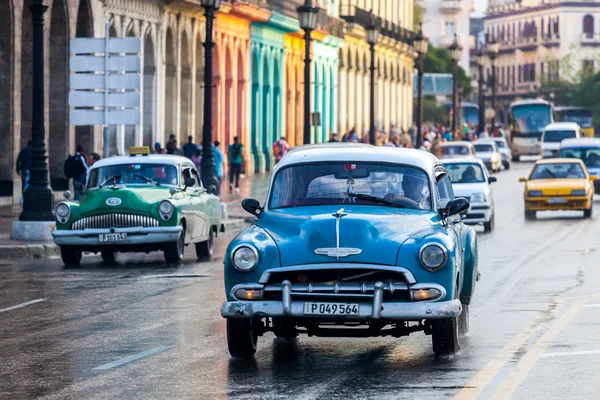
pixel 143 330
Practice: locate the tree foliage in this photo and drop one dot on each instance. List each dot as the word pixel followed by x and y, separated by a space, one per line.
pixel 587 95
pixel 418 13
pixel 438 61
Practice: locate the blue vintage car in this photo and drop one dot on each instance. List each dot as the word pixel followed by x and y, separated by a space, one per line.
pixel 353 241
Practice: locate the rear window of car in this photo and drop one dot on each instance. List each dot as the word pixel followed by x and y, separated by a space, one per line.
pixel 558 136
pixel 501 144
pixel 465 172
pixel 453 150
pixel 483 148
pixel 589 155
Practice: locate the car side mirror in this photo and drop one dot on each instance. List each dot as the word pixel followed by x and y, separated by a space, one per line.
pixel 459 205
pixel 594 177
pixel 492 179
pixel 189 182
pixel 252 206
pixel 212 189
pixel 522 179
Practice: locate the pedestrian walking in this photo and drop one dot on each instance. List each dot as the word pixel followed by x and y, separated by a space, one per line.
pixel 280 148
pixel 406 140
pixel 76 168
pixel 158 149
pixel 333 138
pixel 197 158
pixel 235 164
pixel 23 167
pixel 92 159
pixel 189 149
pixel 218 161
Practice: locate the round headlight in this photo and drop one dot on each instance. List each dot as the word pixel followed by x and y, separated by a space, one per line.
pixel 245 258
pixel 165 209
pixel 433 256
pixel 63 210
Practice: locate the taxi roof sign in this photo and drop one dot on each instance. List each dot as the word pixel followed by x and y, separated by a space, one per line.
pixel 139 150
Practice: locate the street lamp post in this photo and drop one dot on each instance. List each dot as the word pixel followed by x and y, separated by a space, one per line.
pixel 480 62
pixel 38 199
pixel 307 14
pixel 420 45
pixel 455 53
pixel 207 165
pixel 493 53
pixel 372 36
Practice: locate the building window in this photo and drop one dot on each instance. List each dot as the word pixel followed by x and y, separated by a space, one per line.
pixel 587 68
pixel 588 26
pixel 450 30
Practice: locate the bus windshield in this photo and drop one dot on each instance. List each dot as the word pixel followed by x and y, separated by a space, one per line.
pixel 531 118
pixel 582 117
pixel 471 115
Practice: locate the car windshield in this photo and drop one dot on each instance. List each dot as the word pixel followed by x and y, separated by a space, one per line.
pixel 582 117
pixel 501 144
pixel 350 183
pixel 590 156
pixel 483 148
pixel 558 136
pixel 465 172
pixel 453 151
pixel 133 174
pixel 557 170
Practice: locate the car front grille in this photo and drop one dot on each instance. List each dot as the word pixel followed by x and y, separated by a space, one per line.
pixel 114 220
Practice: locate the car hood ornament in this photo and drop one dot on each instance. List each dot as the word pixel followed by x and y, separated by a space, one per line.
pixel 338 251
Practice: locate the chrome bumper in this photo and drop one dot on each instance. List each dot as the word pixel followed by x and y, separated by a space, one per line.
pixel 370 306
pixel 135 236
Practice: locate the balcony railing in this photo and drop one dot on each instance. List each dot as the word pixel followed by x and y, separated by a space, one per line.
pixel 590 38
pixel 451 6
pixel 331 25
pixel 355 15
pixel 551 40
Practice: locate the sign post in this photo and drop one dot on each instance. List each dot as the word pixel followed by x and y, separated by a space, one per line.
pixel 105 82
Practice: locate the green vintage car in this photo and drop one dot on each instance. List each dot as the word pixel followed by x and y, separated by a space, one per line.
pixel 139 203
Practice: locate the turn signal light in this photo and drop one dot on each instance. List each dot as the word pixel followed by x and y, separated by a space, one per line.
pixel 425 294
pixel 248 294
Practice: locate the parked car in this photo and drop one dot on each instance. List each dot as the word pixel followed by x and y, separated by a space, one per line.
pixel 504 150
pixel 352 236
pixel 487 150
pixel 553 134
pixel 470 179
pixel 588 151
pixel 454 149
pixel 139 203
pixel 559 184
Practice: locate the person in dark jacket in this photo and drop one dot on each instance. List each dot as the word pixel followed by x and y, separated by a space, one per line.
pixel 189 149
pixel 24 166
pixel 82 169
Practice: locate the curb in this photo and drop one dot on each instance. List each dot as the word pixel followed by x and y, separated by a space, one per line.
pixel 29 251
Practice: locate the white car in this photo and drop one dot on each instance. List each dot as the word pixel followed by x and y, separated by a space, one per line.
pixel 504 149
pixel 487 150
pixel 554 134
pixel 470 179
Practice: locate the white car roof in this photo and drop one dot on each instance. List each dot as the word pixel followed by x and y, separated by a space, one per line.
pixel 149 159
pixel 556 126
pixel 485 141
pixel 463 160
pixel 351 152
pixel 580 142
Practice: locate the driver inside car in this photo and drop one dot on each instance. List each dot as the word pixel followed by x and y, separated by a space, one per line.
pixel 468 176
pixel 412 186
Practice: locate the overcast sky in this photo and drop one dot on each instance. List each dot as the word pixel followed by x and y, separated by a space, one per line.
pixel 480 6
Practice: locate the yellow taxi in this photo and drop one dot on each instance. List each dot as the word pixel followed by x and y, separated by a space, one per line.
pixel 559 184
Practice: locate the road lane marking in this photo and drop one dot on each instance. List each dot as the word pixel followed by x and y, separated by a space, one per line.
pixel 524 366
pixel 132 357
pixel 571 353
pixel 483 378
pixel 21 305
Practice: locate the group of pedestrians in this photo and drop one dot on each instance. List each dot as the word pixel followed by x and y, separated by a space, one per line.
pixel 397 137
pixel 436 134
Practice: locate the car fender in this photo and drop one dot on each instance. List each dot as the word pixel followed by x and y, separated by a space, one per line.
pixel 471 267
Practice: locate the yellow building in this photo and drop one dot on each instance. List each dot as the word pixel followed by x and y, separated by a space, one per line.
pixel 394 62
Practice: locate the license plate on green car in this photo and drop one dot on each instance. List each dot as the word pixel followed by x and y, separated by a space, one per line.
pixel 112 237
pixel 314 308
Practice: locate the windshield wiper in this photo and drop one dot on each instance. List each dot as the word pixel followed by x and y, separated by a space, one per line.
pixel 112 178
pixel 147 179
pixel 375 199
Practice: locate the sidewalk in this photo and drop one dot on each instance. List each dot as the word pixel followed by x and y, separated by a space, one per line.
pixel 254 186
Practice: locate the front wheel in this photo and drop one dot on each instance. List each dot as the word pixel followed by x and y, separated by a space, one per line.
pixel 109 256
pixel 489 226
pixel 204 250
pixel 506 165
pixel 70 256
pixel 463 320
pixel 444 336
pixel 587 213
pixel 516 158
pixel 529 215
pixel 174 250
pixel 241 338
